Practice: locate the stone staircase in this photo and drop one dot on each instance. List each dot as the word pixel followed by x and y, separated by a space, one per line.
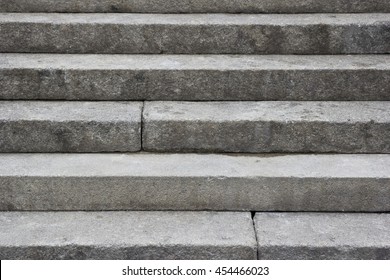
pixel 248 129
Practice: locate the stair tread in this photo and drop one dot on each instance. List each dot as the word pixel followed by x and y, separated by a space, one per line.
pixel 323 235
pixel 191 62
pixel 279 111
pixel 195 19
pixel 196 165
pixel 72 111
pixel 126 235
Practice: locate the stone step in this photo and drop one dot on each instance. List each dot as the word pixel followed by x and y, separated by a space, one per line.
pixel 126 235
pixel 323 236
pixel 196 6
pixel 194 77
pixel 41 182
pixel 274 126
pixel 195 33
pixel 36 126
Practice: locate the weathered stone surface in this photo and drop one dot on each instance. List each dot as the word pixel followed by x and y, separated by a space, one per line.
pixel 196 6
pixel 323 236
pixel 253 127
pixel 127 235
pixel 194 77
pixel 194 182
pixel 35 126
pixel 195 33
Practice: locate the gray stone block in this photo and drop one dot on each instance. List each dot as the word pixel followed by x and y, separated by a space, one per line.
pixel 195 33
pixel 127 235
pixel 36 126
pixel 194 77
pixel 196 6
pixel 194 182
pixel 253 127
pixel 323 236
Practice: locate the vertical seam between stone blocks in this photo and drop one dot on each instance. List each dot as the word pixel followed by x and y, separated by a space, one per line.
pixel 142 126
pixel 253 214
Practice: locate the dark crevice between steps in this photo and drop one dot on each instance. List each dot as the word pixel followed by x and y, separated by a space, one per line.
pixel 253 213
pixel 142 126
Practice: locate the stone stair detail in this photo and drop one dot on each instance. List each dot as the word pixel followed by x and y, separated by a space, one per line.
pixel 195 33
pixel 195 77
pixel 112 235
pixel 39 126
pixel 202 129
pixel 144 181
pixel 323 236
pixel 259 127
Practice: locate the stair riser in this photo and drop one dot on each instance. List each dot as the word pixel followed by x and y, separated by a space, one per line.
pixel 242 35
pixel 266 137
pixel 122 252
pixel 183 193
pixel 323 253
pixel 68 136
pixel 197 6
pixel 195 85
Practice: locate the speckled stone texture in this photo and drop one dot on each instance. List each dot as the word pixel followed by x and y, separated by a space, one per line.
pixel 127 235
pixel 38 126
pixel 196 33
pixel 253 127
pixel 196 6
pixel 194 77
pixel 323 236
pixel 194 182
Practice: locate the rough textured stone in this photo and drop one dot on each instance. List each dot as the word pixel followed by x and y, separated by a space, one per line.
pixel 195 33
pixel 127 235
pixel 345 127
pixel 194 182
pixel 323 236
pixel 196 6
pixel 34 126
pixel 194 77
